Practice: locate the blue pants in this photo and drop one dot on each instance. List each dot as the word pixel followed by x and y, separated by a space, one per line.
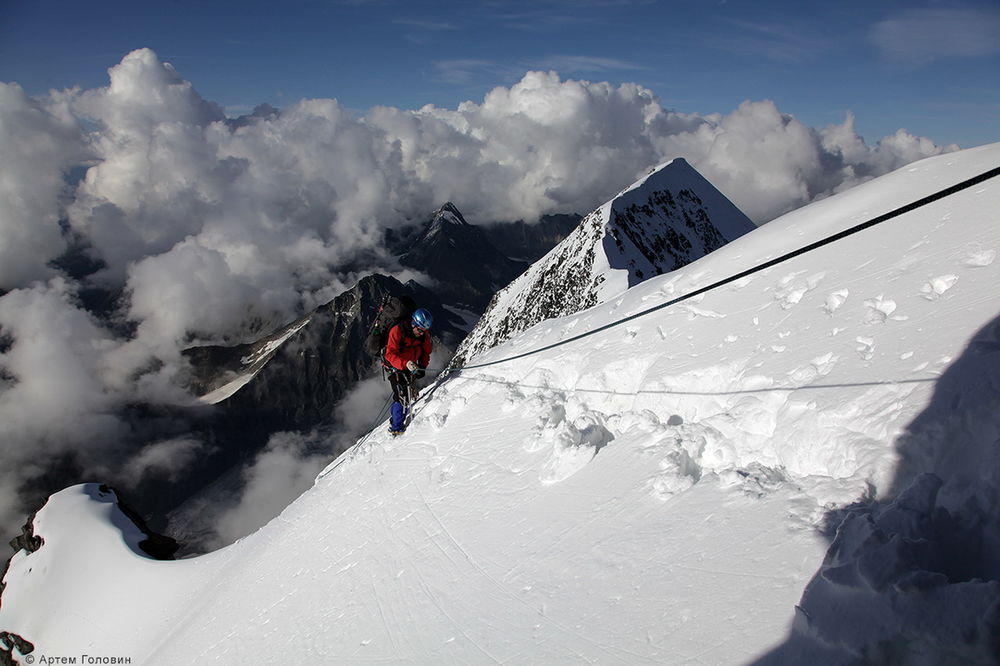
pixel 397 418
pixel 399 381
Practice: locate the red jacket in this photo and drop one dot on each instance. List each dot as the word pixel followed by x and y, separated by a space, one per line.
pixel 405 346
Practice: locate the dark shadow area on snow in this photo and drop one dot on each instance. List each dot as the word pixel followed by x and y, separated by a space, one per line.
pixel 135 533
pixel 911 577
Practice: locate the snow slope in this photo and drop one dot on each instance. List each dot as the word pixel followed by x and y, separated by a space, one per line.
pixel 664 491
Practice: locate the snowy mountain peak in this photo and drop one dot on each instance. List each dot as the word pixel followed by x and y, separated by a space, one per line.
pixel 466 265
pixel 666 220
pixel 449 214
pixel 660 223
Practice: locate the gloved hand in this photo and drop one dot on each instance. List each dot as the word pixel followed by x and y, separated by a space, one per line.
pixel 411 366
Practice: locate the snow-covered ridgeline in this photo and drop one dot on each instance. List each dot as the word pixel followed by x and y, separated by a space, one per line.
pixel 658 224
pixel 661 492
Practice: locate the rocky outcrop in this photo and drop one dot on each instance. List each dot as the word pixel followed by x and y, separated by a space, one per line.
pixel 155 545
pixel 10 642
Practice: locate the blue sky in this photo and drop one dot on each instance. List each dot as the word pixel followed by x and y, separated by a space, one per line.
pixel 930 67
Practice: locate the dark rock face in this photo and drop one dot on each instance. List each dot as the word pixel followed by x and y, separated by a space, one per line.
pixel 29 542
pixel 305 368
pixel 665 231
pixel 560 285
pixel 157 546
pixel 461 258
pixel 530 242
pixel 8 643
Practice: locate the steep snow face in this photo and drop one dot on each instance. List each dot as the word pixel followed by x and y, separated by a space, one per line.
pixel 660 223
pixel 821 434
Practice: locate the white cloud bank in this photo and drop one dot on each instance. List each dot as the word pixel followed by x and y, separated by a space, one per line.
pixel 212 227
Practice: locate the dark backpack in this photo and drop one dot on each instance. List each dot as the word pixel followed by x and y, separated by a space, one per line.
pixel 392 311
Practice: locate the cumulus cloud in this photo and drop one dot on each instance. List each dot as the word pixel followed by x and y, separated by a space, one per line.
pixel 39 142
pixel 166 459
pixel 288 465
pixel 55 406
pixel 55 398
pixel 212 229
pixel 279 474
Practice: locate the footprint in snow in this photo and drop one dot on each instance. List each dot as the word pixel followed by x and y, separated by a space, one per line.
pixel 553 416
pixel 835 300
pixel 880 309
pixel 445 409
pixel 678 472
pixel 513 399
pixel 977 256
pixel 818 367
pixel 575 445
pixel 793 287
pixel 442 471
pixel 934 288
pixel 694 312
pixel 866 348
pixel 755 480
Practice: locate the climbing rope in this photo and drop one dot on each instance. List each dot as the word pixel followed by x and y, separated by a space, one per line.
pixel 937 196
pixel 750 271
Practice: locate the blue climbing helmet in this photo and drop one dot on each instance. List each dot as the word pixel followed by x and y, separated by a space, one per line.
pixel 423 319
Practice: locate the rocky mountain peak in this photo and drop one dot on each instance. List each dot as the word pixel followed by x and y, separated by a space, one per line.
pixel 449 214
pixel 663 221
pixel 468 268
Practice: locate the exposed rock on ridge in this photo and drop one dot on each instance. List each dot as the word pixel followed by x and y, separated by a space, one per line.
pixel 662 222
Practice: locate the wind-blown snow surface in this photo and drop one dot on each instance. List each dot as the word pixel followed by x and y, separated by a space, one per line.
pixel 660 492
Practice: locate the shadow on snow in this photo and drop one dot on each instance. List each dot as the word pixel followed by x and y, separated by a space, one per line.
pixel 912 576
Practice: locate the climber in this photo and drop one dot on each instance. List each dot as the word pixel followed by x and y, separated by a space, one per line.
pixel 407 352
